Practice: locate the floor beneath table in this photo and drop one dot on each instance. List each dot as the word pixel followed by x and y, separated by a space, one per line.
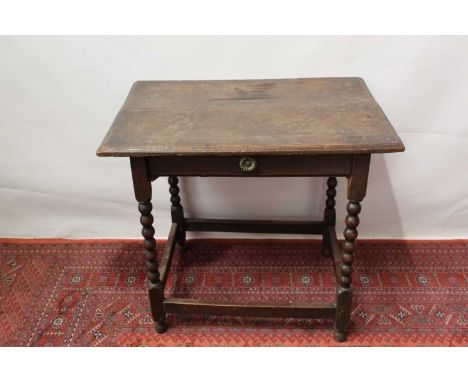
pixel 93 293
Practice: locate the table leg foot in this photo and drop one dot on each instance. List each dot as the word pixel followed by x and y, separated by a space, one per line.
pixel 326 252
pixel 161 326
pixel 183 248
pixel 340 336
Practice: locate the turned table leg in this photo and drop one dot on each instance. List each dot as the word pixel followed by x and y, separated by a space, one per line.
pixel 344 290
pixel 177 211
pixel 142 188
pixel 357 186
pixel 329 215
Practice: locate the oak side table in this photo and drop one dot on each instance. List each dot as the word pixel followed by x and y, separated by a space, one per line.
pixel 326 127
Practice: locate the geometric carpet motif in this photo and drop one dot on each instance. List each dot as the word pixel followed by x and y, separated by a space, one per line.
pixel 93 293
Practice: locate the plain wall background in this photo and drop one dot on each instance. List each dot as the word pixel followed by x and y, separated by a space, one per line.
pixel 59 95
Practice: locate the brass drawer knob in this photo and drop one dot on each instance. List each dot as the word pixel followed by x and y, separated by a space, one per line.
pixel 247 164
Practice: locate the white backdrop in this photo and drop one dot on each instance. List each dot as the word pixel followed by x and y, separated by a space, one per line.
pixel 59 95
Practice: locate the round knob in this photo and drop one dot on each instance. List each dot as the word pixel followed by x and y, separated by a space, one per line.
pixel 247 164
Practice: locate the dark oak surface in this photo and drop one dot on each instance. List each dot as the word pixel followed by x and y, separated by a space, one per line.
pixel 305 127
pixel 276 117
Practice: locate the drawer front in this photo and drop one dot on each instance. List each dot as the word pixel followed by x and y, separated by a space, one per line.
pixel 246 165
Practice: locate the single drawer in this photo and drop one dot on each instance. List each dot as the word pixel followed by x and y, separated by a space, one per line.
pixel 247 165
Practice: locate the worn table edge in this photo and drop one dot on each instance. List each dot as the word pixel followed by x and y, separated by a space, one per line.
pixel 251 79
pixel 222 151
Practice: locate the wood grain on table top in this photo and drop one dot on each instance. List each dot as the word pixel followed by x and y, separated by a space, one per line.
pixel 232 117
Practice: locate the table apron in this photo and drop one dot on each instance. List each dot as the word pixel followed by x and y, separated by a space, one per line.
pixel 265 165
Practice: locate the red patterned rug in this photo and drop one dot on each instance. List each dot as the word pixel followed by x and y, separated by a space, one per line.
pixel 93 293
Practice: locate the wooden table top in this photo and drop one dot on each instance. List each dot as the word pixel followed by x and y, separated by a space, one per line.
pixel 276 117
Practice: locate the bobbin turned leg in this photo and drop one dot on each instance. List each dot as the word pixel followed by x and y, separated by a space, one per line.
pixel 329 215
pixel 344 290
pixel 177 211
pixel 142 188
pixel 357 185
